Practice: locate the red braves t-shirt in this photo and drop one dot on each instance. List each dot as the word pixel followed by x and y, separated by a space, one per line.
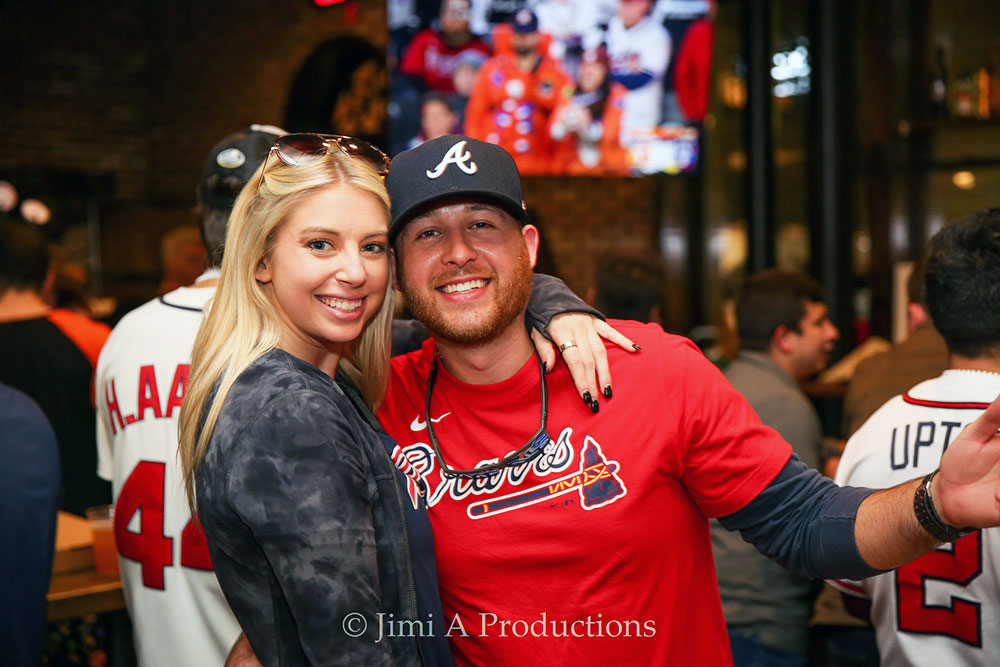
pixel 598 551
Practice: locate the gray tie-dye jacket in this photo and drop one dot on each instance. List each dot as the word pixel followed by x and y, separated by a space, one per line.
pixel 302 510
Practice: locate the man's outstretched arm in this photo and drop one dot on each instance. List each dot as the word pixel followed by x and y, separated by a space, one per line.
pixel 817 529
pixel 965 492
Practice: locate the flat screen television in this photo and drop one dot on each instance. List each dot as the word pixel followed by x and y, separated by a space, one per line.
pixel 568 87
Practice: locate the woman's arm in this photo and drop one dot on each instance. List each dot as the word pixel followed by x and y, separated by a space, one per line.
pixel 301 489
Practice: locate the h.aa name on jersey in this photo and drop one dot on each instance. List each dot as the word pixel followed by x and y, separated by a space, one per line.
pixel 149 403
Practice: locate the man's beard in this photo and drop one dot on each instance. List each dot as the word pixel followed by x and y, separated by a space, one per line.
pixel 510 298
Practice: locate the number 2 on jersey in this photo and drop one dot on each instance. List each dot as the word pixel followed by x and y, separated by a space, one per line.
pixel 962 619
pixel 143 492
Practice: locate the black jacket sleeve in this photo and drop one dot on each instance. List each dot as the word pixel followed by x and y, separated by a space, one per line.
pixel 551 297
pixel 805 522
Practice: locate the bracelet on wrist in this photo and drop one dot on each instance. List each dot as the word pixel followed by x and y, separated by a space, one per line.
pixel 929 519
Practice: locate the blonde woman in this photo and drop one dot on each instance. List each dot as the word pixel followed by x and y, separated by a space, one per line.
pixel 318 554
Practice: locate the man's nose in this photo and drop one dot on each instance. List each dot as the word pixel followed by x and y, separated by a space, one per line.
pixel 459 251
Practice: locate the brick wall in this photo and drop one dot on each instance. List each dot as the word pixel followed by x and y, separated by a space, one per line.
pixel 74 97
pixel 582 219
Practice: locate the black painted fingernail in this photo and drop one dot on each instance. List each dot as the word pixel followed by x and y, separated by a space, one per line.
pixel 607 391
pixel 594 407
pixel 545 365
pixel 635 347
pixel 586 397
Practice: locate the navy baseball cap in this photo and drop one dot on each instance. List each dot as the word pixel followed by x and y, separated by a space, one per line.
pixel 525 21
pixel 231 163
pixel 448 166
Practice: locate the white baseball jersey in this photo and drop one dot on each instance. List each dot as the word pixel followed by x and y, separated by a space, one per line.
pixel 178 611
pixel 565 20
pixel 634 54
pixel 944 607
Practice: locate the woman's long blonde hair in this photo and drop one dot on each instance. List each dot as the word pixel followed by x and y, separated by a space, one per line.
pixel 241 323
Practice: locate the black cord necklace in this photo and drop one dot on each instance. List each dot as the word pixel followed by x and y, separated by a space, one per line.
pixel 525 453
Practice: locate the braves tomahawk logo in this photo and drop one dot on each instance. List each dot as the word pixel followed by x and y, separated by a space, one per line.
pixel 596 480
pixel 458 156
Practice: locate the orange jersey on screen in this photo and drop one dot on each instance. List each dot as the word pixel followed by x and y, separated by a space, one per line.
pixel 577 155
pixel 511 107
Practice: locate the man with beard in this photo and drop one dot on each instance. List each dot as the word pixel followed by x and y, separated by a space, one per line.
pixel 434 53
pixel 578 536
pixel 515 94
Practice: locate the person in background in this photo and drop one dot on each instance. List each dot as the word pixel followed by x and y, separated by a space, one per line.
pixel 436 119
pixel 944 607
pixel 629 287
pixel 405 18
pixel 433 53
pixel 466 70
pixel 428 65
pixel 921 356
pixel 587 126
pixel 179 614
pixel 639 49
pixel 183 255
pixel 785 338
pixel 50 354
pixel 692 75
pixel 515 94
pixel 29 502
pixel 575 26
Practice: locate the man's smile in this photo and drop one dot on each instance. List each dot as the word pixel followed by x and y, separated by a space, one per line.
pixel 464 287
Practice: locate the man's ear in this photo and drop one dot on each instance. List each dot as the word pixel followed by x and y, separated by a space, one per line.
pixel 48 291
pixel 781 339
pixel 917 315
pixel 531 238
pixel 262 274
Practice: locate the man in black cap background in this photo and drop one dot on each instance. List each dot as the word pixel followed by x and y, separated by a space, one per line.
pixel 178 612
pixel 587 524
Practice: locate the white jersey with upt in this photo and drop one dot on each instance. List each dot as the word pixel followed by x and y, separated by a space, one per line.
pixel 944 607
pixel 178 611
pixel 638 59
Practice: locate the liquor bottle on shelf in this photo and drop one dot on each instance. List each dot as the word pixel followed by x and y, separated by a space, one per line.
pixel 983 93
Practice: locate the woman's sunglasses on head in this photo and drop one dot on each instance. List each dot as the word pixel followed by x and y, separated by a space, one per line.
pixel 294 149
